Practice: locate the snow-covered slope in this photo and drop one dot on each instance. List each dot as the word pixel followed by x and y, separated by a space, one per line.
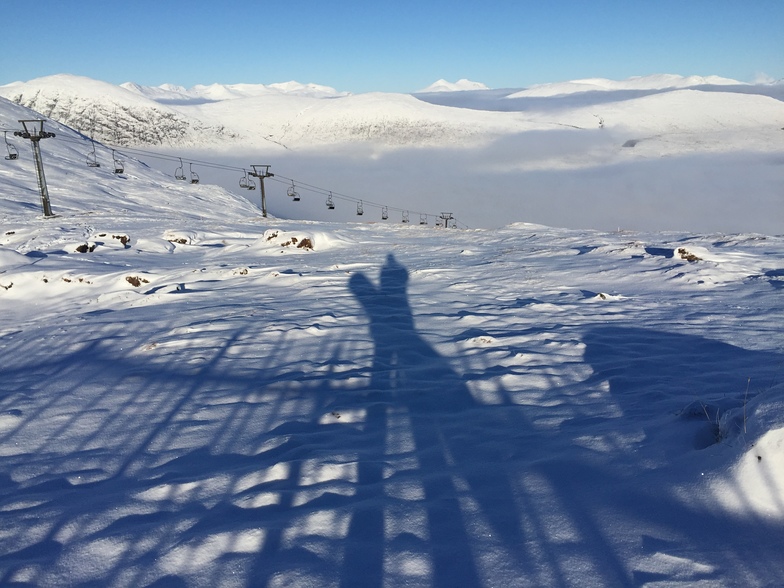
pixel 112 113
pixel 195 396
pixel 76 189
pixel 374 119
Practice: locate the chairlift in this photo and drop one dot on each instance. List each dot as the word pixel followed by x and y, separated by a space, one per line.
pixel 12 152
pixel 330 202
pixel 292 192
pixel 179 173
pixel 360 210
pixel 384 213
pixel 422 219
pixel 118 165
pixel 194 175
pixel 92 158
pixel 405 216
pixel 246 182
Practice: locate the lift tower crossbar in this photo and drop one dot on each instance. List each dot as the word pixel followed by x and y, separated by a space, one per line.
pixel 446 217
pixel 34 130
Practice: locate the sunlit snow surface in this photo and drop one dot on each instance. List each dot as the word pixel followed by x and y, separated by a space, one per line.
pixel 208 398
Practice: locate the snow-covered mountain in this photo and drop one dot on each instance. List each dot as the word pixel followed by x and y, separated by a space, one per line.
pixel 194 396
pixel 290 114
pixel 458 86
pixel 168 93
pixel 662 152
pixel 65 159
pixel 650 82
pixel 112 113
pixel 689 110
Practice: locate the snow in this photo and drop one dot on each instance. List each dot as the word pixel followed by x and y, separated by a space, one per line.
pixel 650 82
pixel 170 94
pixel 661 152
pixel 196 400
pixel 458 86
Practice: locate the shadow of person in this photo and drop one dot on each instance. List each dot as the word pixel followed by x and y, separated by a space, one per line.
pixel 405 367
pixel 408 375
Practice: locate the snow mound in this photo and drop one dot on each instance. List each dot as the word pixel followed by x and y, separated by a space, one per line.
pixel 755 482
pixel 11 259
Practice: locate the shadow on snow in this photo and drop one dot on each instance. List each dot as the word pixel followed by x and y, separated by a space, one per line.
pixel 278 475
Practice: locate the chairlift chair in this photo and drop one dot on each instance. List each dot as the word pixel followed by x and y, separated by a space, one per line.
pixel 12 152
pixel 360 209
pixel 292 193
pixel 244 181
pixel 92 158
pixel 194 175
pixel 118 165
pixel 405 216
pixel 330 202
pixel 385 213
pixel 422 219
pixel 251 184
pixel 179 173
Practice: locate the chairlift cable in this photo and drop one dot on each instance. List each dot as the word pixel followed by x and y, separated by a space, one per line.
pixel 128 151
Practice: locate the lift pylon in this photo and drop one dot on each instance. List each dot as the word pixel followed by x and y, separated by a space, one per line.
pixel 261 172
pixel 34 130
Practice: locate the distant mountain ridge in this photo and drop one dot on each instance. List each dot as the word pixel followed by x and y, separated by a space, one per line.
pixel 217 92
pixel 650 82
pixel 110 113
pixel 458 86
pixel 292 115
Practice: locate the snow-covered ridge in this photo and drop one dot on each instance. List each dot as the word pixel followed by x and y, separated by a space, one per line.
pixel 115 114
pixel 650 82
pixel 664 114
pixel 168 93
pixel 289 115
pixel 458 86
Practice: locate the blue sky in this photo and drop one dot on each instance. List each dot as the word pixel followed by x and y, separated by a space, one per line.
pixel 391 46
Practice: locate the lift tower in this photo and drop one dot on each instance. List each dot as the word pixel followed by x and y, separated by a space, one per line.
pixel 261 172
pixel 446 217
pixel 34 130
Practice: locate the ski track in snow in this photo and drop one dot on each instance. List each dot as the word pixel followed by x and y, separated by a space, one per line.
pixel 196 396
